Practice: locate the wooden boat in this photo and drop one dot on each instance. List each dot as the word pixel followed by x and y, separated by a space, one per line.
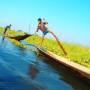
pixel 21 37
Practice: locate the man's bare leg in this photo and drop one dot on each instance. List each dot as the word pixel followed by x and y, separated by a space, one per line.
pixel 59 43
pixel 42 40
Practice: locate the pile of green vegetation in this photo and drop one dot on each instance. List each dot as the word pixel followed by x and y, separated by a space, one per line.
pixel 76 53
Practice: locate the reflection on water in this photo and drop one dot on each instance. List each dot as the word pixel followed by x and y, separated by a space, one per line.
pixel 3 39
pixel 22 69
pixel 33 71
pixel 66 76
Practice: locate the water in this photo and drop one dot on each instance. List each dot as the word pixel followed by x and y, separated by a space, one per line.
pixel 23 69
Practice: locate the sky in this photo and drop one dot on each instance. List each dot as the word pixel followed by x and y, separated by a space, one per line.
pixel 68 19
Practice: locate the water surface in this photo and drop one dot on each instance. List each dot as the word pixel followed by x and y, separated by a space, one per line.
pixel 24 69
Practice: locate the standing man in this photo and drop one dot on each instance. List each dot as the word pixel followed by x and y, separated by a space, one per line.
pixel 42 26
pixel 7 28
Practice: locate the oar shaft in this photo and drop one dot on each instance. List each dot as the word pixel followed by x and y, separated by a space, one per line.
pixel 59 43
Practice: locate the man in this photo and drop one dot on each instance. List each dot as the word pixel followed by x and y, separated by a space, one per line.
pixel 7 28
pixel 43 27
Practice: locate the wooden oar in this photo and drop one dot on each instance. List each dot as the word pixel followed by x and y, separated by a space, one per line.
pixel 59 43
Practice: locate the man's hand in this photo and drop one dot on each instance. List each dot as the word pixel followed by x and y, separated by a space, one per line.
pixel 36 31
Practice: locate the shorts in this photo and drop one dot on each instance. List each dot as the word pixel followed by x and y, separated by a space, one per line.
pixel 45 32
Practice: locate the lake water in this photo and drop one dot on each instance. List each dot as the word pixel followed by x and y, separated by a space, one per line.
pixel 24 69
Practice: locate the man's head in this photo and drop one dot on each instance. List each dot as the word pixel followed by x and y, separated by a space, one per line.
pixel 39 19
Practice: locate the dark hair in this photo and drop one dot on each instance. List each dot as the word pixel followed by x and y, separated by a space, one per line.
pixel 39 19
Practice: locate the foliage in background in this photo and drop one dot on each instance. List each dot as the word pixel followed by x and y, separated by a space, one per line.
pixel 76 53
